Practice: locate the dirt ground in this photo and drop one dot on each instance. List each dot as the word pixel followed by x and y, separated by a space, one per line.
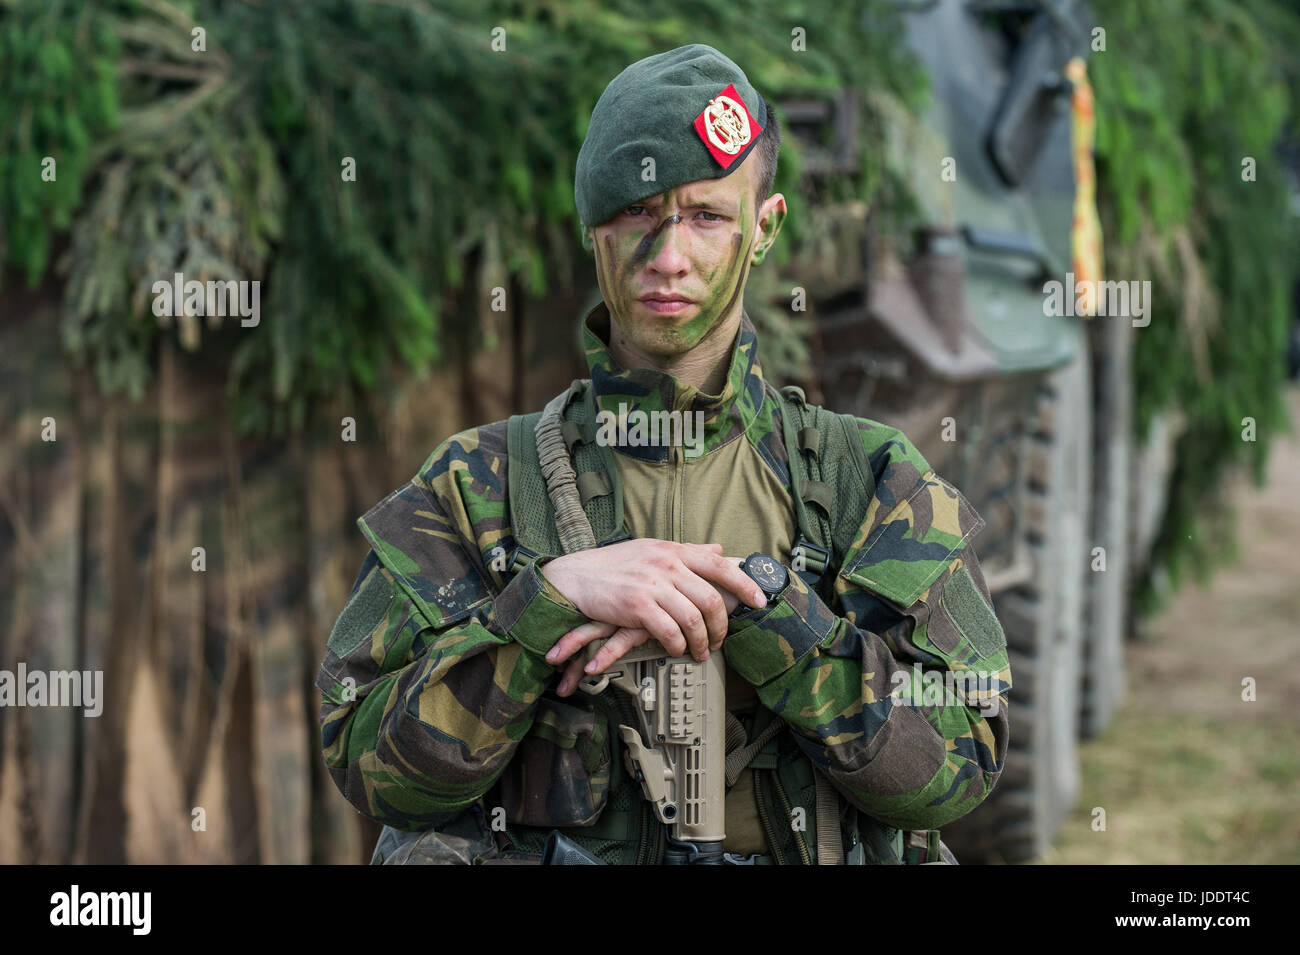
pixel 1189 772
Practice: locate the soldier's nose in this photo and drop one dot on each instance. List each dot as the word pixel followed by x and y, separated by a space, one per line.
pixel 666 256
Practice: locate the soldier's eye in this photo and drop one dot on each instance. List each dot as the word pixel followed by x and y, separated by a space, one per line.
pixel 712 217
pixel 634 210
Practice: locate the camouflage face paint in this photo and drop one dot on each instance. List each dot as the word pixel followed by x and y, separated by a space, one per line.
pixel 714 311
pixel 707 263
pixel 646 245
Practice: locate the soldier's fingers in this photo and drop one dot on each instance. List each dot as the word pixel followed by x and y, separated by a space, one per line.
pixel 572 674
pixel 663 627
pixel 689 620
pixel 716 548
pixel 622 641
pixel 726 572
pixel 708 601
pixel 577 638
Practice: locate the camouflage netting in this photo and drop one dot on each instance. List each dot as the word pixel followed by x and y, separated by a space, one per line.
pixel 311 147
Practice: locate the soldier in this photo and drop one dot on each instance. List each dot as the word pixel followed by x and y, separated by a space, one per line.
pixel 449 713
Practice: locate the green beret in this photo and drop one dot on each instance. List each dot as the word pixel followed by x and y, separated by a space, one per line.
pixel 691 110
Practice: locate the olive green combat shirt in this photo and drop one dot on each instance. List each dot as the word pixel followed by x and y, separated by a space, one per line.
pixel 434 669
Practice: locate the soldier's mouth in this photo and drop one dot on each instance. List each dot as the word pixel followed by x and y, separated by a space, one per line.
pixel 666 303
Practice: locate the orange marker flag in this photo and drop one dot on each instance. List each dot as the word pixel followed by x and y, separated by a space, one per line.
pixel 1085 229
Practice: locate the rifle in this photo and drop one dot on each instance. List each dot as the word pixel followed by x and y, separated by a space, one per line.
pixel 678 750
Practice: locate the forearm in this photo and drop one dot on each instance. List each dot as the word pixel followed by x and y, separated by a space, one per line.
pixel 850 700
pixel 418 722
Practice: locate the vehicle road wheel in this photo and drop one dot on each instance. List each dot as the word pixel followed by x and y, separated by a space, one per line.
pixel 1043 620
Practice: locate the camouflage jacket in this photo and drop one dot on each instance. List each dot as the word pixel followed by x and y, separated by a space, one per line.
pixel 435 668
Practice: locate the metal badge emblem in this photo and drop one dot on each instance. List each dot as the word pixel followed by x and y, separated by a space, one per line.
pixel 727 124
pixel 727 127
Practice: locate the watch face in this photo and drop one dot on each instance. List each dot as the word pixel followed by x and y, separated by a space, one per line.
pixel 768 572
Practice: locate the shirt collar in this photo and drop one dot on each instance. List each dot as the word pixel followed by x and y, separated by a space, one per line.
pixel 621 391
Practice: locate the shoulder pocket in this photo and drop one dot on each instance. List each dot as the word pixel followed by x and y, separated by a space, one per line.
pixel 366 610
pixel 964 616
pixel 914 542
pixel 422 550
pixel 365 615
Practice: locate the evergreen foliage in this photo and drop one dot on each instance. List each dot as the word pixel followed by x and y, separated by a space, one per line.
pixel 227 162
pixel 58 97
pixel 1185 92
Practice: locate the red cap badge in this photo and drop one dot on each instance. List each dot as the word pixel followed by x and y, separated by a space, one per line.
pixel 726 126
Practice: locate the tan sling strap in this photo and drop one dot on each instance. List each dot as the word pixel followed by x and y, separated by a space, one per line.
pixel 561 483
pixel 830 848
pixel 743 755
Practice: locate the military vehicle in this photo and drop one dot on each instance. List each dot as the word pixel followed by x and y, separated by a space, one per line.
pixel 949 339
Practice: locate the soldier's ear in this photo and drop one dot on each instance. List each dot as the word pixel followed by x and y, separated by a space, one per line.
pixel 587 241
pixel 770 216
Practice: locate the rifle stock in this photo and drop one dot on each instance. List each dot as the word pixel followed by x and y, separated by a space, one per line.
pixel 678 750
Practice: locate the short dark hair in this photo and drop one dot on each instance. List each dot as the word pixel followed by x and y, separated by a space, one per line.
pixel 769 144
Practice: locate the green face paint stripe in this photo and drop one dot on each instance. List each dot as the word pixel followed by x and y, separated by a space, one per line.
pixel 615 270
pixel 608 270
pixel 622 267
pixel 737 241
pixel 708 322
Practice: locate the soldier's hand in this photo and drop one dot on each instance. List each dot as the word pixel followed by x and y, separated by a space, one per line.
pixel 618 641
pixel 675 592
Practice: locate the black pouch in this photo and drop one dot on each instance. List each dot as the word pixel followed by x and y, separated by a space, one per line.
pixel 560 773
pixel 466 840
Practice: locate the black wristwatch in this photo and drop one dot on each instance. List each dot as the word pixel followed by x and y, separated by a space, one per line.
pixel 770 575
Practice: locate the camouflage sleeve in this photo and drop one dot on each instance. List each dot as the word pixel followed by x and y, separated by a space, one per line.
pixel 433 669
pixel 902 699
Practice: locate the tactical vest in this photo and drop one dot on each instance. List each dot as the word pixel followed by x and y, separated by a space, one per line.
pixel 832 486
